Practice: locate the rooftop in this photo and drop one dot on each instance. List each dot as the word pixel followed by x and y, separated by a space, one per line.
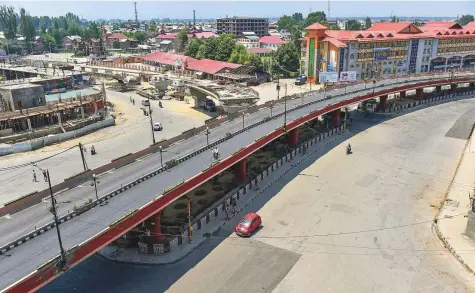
pixel 259 50
pixel 272 40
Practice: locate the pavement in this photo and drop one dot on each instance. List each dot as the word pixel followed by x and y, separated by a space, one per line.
pixel 451 230
pixel 335 223
pixel 26 257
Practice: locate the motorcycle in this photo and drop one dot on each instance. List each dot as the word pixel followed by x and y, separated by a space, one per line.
pixel 348 150
pixel 160 104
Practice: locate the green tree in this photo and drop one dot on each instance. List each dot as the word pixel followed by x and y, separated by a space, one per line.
pixel 334 27
pixel 284 22
pixel 239 54
pixel 465 19
pixel 318 16
pixel 287 57
pixel 353 25
pixel 225 45
pixel 193 47
pixel 296 35
pixel 208 49
pixel 183 39
pixel 42 30
pixel 50 43
pixel 8 21
pixel 256 62
pixel 367 22
pixel 140 36
pixel 94 30
pixel 27 29
pixel 394 19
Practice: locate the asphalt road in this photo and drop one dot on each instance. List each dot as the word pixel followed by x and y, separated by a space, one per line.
pixel 335 223
pixel 25 258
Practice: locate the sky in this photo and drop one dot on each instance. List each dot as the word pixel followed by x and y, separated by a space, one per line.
pixel 92 10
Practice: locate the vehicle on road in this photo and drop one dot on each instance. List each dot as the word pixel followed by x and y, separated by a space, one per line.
pixel 252 81
pixel 208 105
pixel 157 126
pixel 248 225
pixel 146 103
pixel 300 80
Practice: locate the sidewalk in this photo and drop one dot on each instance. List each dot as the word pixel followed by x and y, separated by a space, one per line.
pixel 453 214
pixel 269 177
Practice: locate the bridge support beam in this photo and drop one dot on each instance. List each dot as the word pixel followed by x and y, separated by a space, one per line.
pixel 382 103
pixel 293 137
pixel 453 88
pixel 420 94
pixel 402 94
pixel 438 89
pixel 240 170
pixel 336 118
pixel 156 228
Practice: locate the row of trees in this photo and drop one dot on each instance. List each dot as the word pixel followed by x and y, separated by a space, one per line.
pixel 225 48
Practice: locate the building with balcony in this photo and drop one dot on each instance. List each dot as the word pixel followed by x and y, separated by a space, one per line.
pixel 388 49
pixel 237 25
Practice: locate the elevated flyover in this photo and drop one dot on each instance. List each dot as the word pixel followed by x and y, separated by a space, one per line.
pixel 33 263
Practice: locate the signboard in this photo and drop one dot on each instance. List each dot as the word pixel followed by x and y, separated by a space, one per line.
pixel 382 49
pixel 347 76
pixel 328 77
pixel 332 63
pixel 381 57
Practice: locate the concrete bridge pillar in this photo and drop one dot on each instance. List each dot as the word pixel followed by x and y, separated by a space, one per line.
pixel 402 94
pixel 293 137
pixel 156 228
pixel 240 170
pixel 336 118
pixel 382 103
pixel 453 88
pixel 420 94
pixel 438 89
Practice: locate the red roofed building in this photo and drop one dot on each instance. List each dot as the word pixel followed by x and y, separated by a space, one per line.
pixel 389 49
pixel 115 37
pixel 272 42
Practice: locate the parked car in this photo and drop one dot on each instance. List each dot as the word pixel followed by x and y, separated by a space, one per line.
pixel 300 80
pixel 157 126
pixel 248 225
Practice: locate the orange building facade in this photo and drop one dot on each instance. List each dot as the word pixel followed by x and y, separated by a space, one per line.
pixel 388 49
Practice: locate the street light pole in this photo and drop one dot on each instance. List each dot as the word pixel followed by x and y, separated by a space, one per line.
pixel 151 119
pixel 207 136
pixel 161 156
pixel 95 180
pixel 56 221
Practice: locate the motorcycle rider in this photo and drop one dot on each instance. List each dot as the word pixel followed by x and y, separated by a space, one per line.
pixel 216 153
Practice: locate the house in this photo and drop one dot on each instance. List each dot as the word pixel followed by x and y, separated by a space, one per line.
pixel 128 44
pixel 272 42
pixel 72 43
pixel 248 39
pixel 95 46
pixel 115 37
pixel 39 44
pixel 168 42
pixel 259 51
pixel 204 35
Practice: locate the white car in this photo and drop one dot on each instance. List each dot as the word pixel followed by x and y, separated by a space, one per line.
pixel 157 126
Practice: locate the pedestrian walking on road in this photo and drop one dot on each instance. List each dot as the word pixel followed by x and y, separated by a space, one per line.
pixel 45 175
pixel 226 210
pixel 34 176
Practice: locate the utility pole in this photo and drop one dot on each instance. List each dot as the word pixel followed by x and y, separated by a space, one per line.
pixel 285 108
pixel 194 19
pixel 151 119
pixel 84 164
pixel 95 181
pixel 56 222
pixel 190 232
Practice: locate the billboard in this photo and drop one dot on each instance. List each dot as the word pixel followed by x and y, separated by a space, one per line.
pixel 328 77
pixel 347 76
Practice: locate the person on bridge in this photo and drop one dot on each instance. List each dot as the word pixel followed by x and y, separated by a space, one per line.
pixel 34 176
pixel 348 149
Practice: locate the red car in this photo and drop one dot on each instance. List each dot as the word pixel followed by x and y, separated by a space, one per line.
pixel 248 224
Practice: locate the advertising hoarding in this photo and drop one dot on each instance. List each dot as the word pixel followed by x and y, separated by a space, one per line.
pixel 347 76
pixel 328 77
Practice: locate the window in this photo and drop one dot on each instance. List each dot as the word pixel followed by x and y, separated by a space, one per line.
pixel 352 56
pixel 351 66
pixel 358 65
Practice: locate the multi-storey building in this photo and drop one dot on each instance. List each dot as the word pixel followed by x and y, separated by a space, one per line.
pixel 388 48
pixel 237 25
